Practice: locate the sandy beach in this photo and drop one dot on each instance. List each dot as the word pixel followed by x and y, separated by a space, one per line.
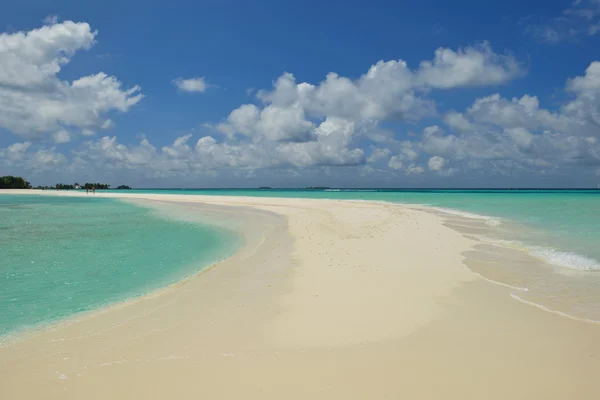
pixel 327 299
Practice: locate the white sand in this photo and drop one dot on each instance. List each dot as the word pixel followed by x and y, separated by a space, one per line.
pixel 328 299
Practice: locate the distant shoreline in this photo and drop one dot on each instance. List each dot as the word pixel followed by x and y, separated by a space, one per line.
pixel 346 188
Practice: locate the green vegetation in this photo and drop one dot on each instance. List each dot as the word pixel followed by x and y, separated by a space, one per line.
pixel 62 186
pixel 13 182
pixel 75 186
pixel 96 186
pixel 17 182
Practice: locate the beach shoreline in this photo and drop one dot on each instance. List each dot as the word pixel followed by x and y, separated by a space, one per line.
pixel 335 299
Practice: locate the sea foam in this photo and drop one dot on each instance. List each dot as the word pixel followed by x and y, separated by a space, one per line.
pixel 563 259
pixel 491 221
pixel 566 259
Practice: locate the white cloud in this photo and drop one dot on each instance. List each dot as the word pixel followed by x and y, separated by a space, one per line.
pixel 182 158
pixel 293 129
pixel 194 85
pixel 272 123
pixel 35 57
pixel 319 124
pixel 590 82
pixel 14 153
pixel 384 92
pixel 61 136
pixel 333 146
pixel 436 163
pixel 378 154
pixel 471 66
pixel 522 138
pixel 515 137
pixel 519 112
pixel 23 155
pixel 319 127
pixel 396 162
pixel 457 121
pixel 34 101
pixel 585 108
pixel 415 169
pixel 108 124
pixel 580 116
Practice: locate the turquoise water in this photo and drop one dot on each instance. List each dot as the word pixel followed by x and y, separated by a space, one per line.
pixel 63 255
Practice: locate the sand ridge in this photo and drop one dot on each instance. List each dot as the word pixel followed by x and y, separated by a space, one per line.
pixel 334 299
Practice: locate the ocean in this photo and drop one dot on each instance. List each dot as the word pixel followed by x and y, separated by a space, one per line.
pixel 64 255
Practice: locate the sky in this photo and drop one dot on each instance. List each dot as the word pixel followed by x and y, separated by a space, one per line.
pixel 231 93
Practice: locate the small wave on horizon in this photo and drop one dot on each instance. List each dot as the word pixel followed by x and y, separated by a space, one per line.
pixel 350 190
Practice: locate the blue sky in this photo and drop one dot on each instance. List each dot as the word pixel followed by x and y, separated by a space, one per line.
pixel 393 130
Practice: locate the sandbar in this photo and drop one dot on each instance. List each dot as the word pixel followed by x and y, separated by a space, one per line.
pixel 327 299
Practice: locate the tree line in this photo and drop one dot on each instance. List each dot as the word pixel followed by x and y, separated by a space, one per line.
pixel 67 186
pixel 17 182
pixel 13 182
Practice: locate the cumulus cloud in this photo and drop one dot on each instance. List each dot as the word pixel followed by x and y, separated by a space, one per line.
pixel 458 121
pixel 396 162
pixel 272 123
pixel 586 105
pixel 338 122
pixel 194 85
pixel 471 66
pixel 34 101
pixel 23 156
pixel 436 163
pixel 389 90
pixel 578 116
pixel 61 136
pixel 415 169
pixel 207 153
pixel 378 154
pixel 320 124
pixel 515 137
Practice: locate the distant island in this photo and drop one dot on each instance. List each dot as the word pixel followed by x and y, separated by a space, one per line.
pixel 76 186
pixel 18 182
pixel 317 187
pixel 264 187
